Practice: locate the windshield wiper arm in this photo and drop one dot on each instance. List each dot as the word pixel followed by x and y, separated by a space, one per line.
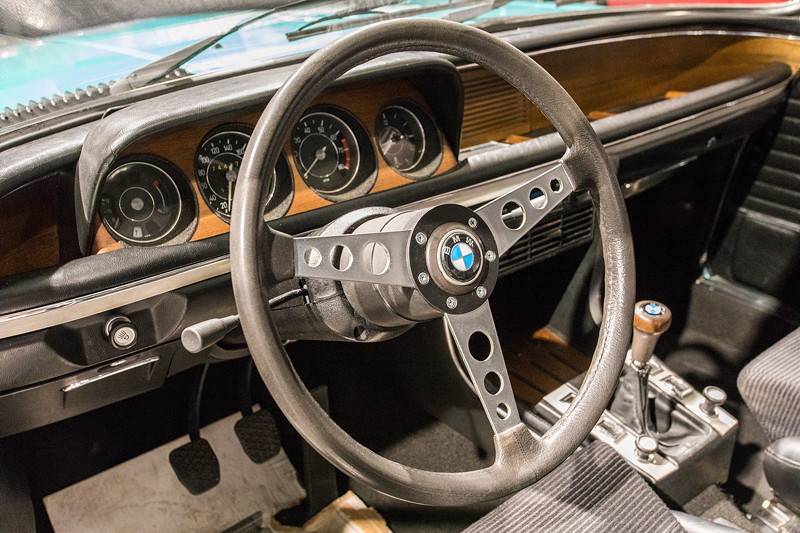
pixel 470 13
pixel 359 9
pixel 312 28
pixel 162 67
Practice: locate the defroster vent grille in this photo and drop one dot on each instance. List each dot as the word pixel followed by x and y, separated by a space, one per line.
pixel 560 230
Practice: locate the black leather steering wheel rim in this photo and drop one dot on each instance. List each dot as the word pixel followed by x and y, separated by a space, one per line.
pixel 521 459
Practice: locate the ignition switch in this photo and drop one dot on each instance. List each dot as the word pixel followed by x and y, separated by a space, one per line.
pixel 121 332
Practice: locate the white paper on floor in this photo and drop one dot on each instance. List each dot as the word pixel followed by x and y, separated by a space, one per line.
pixel 144 494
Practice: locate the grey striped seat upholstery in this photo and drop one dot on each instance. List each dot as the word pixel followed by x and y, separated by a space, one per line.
pixel 770 386
pixel 593 491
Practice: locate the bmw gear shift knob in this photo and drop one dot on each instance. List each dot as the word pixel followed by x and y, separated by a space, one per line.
pixel 650 320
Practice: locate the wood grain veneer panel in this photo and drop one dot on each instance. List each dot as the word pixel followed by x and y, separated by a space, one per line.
pixel 607 77
pixel 29 218
pixel 364 101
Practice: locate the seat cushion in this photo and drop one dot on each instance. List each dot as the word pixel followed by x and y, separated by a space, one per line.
pixel 594 490
pixel 770 386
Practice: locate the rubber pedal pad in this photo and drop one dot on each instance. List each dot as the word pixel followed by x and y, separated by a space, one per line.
pixel 196 466
pixel 259 436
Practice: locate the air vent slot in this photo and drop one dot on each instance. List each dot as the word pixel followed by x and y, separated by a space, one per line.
pixel 560 230
pixel 493 109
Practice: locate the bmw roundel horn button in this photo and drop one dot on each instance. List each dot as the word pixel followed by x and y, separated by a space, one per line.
pixel 460 257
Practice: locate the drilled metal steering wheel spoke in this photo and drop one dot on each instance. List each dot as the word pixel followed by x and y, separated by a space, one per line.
pixel 479 347
pixel 358 257
pixel 512 215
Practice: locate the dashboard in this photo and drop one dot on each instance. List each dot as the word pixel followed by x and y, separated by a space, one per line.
pixel 128 213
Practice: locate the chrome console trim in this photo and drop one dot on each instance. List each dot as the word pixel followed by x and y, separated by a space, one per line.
pixel 76 308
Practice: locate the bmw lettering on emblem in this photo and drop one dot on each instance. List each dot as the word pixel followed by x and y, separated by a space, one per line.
pixel 460 257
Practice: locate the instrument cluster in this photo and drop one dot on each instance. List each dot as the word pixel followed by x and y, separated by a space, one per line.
pixel 147 200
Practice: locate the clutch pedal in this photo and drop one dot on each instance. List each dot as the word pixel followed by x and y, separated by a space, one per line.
pixel 195 463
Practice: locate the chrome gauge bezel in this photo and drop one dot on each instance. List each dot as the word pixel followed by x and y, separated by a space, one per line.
pixel 182 224
pixel 431 154
pixel 363 171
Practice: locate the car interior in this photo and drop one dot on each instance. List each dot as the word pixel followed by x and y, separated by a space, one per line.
pixel 525 274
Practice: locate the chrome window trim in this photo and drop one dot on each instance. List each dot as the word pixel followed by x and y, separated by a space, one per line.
pixel 50 315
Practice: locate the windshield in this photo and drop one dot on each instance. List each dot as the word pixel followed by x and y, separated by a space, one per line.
pixel 35 67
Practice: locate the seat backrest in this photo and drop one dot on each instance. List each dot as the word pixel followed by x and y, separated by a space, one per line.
pixel 770 386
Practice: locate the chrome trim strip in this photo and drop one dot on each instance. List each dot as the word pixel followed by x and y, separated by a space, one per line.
pixel 99 302
pixel 114 371
pixel 62 312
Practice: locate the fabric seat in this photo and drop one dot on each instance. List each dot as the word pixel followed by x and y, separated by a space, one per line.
pixel 770 386
pixel 594 490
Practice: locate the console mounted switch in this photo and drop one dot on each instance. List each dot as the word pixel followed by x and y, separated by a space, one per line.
pixel 646 447
pixel 680 387
pixel 714 398
pixel 121 332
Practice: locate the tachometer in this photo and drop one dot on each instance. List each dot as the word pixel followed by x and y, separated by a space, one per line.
pixel 141 203
pixel 326 152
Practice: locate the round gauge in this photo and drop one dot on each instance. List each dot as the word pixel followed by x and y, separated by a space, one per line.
pixel 140 203
pixel 408 139
pixel 326 152
pixel 401 139
pixel 217 166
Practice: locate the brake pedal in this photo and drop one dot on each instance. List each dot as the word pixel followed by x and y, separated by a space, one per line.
pixel 257 432
pixel 195 463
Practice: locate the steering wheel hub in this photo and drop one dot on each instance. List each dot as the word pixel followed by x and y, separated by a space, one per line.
pixel 454 256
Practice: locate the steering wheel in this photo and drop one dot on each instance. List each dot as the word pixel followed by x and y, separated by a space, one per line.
pixel 448 254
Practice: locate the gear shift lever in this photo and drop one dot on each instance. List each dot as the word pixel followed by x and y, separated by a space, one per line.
pixel 650 320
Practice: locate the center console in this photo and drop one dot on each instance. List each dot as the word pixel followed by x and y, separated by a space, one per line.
pixel 677 437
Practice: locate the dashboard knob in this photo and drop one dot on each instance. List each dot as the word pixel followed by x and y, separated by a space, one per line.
pixel 121 332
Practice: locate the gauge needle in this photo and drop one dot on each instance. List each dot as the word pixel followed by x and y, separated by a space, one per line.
pixel 319 156
pixel 230 175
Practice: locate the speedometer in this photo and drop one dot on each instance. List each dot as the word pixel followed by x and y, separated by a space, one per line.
pixel 326 152
pixel 217 167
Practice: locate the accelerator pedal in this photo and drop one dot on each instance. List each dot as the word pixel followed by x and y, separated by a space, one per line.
pixel 258 435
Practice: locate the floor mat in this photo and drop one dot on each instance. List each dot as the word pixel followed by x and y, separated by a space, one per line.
pixel 144 494
pixel 713 504
pixel 433 447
